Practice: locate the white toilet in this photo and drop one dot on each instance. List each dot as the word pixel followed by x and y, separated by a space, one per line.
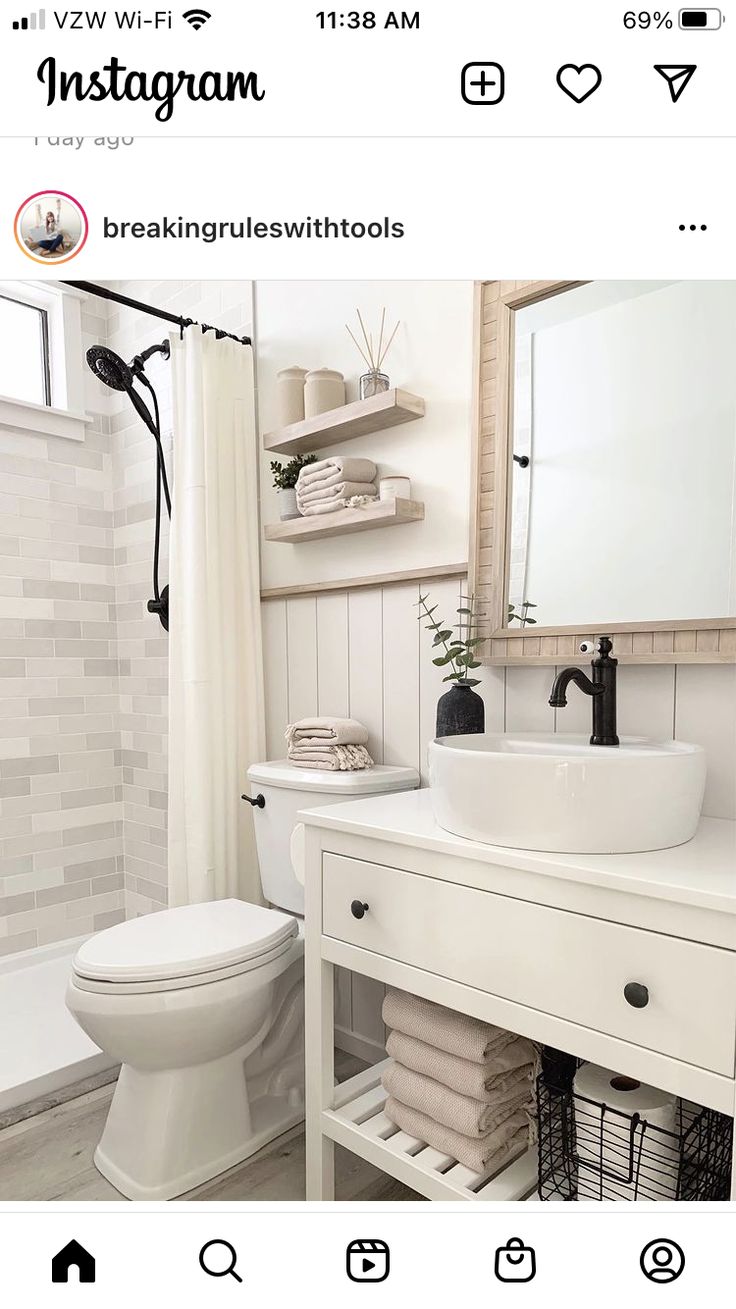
pixel 203 1007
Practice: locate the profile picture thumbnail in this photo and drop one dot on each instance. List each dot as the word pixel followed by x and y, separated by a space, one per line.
pixel 51 227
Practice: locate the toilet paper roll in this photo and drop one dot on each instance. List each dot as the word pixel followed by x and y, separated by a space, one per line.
pixel 620 1160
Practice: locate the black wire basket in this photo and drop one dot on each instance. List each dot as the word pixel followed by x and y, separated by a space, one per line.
pixel 589 1151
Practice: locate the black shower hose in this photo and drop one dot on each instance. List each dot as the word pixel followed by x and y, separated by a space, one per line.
pixel 161 482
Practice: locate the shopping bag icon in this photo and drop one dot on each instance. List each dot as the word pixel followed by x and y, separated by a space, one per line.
pixel 515 1262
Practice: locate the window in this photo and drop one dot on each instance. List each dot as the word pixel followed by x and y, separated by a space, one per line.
pixel 25 372
pixel 42 370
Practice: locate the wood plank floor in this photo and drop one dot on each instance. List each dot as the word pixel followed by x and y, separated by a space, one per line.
pixel 48 1156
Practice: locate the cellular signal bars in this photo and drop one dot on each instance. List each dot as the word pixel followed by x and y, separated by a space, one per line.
pixel 32 23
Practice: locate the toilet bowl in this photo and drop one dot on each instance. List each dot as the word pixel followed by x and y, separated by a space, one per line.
pixel 203 1007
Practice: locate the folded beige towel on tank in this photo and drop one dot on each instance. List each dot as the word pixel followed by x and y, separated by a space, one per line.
pixel 327 731
pixel 484 1154
pixel 435 1025
pixel 512 1067
pixel 337 468
pixel 460 1112
pixel 335 758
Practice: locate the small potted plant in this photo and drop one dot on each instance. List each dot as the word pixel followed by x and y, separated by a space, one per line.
pixel 285 477
pixel 460 710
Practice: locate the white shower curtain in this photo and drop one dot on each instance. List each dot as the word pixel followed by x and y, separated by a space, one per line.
pixel 216 711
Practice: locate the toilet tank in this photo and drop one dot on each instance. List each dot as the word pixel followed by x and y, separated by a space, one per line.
pixel 286 789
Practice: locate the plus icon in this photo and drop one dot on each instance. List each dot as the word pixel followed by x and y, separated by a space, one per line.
pixel 483 84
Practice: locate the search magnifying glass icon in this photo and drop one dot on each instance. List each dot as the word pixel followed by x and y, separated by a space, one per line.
pixel 218 1259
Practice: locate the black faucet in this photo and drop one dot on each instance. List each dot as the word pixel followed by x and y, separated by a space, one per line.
pixel 602 690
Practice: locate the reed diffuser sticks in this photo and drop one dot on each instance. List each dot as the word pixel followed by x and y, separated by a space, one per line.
pixel 374 358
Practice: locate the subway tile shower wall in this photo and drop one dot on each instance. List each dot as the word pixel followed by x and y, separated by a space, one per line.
pixel 61 806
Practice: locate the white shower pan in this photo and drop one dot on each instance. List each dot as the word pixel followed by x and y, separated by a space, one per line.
pixel 42 1049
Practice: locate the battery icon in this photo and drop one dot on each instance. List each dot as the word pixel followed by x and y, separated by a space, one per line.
pixel 701 20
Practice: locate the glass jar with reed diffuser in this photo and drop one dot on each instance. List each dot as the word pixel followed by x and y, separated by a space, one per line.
pixel 375 381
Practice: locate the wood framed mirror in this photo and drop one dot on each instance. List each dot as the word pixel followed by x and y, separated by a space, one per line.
pixel 604 470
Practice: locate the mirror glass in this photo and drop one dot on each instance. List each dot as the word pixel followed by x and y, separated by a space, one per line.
pixel 624 406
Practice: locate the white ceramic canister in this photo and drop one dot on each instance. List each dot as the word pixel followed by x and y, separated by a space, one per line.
pixel 324 389
pixel 394 488
pixel 290 395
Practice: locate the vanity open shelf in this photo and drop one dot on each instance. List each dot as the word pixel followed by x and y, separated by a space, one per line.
pixel 358 1123
pixel 318 527
pixel 360 418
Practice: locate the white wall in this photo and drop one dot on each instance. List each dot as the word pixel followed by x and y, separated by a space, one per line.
pixel 304 323
pixel 633 473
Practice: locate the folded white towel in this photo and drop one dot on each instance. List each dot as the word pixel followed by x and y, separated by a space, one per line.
pixel 331 506
pixel 327 730
pixel 338 468
pixel 344 489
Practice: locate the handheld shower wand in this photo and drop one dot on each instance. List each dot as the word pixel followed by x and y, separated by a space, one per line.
pixel 119 376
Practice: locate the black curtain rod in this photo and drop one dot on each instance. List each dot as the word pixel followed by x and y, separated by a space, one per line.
pixel 105 293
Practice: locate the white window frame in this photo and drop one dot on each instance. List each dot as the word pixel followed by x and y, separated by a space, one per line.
pixel 65 415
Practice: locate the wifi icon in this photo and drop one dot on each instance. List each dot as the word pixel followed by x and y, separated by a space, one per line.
pixel 196 18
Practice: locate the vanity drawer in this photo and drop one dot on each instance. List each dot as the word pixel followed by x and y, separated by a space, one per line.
pixel 560 963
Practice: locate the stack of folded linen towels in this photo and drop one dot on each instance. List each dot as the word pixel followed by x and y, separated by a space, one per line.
pixel 328 484
pixel 462 1086
pixel 337 744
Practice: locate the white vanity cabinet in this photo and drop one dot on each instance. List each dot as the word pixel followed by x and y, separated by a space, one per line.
pixel 543 944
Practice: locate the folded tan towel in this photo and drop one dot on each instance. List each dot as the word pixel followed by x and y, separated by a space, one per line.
pixel 326 731
pixel 484 1154
pixel 334 758
pixel 460 1112
pixel 337 468
pixel 484 1082
pixel 435 1025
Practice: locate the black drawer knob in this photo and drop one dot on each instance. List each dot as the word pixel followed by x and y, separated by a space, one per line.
pixel 636 994
pixel 358 909
pixel 258 802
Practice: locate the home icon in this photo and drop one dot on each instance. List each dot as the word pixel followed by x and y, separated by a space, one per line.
pixel 73 1255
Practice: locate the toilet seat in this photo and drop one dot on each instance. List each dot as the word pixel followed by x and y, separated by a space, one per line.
pixel 183 947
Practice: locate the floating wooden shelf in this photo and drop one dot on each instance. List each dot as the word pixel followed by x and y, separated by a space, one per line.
pixel 318 527
pixel 357 419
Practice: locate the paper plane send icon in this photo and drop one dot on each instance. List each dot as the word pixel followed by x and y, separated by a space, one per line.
pixel 677 77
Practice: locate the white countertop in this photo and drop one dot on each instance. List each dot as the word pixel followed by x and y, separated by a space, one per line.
pixel 701 873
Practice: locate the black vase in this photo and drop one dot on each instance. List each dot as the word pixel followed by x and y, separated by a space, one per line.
pixel 460 712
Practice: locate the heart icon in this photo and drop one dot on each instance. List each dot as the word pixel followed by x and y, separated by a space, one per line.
pixel 579 80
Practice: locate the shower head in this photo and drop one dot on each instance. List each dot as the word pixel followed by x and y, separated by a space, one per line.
pixel 110 368
pixel 114 372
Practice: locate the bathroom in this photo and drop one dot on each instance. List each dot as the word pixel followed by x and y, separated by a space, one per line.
pixel 99 831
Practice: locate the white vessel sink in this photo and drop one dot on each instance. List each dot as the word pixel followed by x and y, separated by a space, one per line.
pixel 559 793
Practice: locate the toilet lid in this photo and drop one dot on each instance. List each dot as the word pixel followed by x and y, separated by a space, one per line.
pixel 186 942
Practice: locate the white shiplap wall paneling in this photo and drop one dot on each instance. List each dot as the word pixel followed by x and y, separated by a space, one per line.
pixel 276 677
pixel 365 662
pixel 301 629
pixel 333 684
pixel 401 676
